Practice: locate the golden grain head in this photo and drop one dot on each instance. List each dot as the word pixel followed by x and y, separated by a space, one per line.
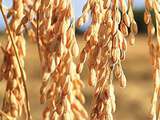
pixel 51 25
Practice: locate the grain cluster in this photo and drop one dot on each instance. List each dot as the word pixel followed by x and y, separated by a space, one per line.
pixel 154 50
pixel 51 25
pixel 105 49
pixel 61 84
pixel 15 102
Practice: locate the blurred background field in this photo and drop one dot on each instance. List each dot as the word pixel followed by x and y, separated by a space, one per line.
pixel 133 102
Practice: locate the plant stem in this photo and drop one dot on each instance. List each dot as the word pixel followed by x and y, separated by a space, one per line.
pixel 37 36
pixel 19 64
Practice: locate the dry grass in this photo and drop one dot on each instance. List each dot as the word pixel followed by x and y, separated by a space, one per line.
pixel 133 102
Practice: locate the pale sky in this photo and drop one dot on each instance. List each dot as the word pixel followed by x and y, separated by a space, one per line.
pixel 77 4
